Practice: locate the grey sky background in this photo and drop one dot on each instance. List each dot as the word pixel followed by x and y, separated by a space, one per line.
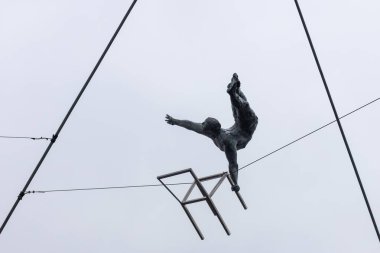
pixel 177 57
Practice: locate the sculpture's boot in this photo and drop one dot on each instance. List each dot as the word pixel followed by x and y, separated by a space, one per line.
pixel 233 85
pixel 231 88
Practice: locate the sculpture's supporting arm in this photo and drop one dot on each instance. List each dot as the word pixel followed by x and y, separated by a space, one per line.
pixel 233 166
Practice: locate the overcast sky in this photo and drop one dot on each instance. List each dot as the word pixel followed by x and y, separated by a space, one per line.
pixel 177 57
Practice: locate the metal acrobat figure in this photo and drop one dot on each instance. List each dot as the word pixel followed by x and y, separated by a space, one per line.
pixel 232 139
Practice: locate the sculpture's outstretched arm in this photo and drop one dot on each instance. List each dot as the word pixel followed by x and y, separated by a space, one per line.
pixel 196 127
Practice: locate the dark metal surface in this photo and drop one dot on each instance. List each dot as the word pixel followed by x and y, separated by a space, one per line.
pixel 212 177
pixel 189 192
pixel 218 184
pixel 176 173
pixel 193 222
pixel 167 188
pixel 217 214
pixel 194 200
pixel 238 194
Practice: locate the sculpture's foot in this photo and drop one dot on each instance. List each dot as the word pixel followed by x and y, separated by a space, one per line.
pixel 236 79
pixel 235 188
pixel 233 86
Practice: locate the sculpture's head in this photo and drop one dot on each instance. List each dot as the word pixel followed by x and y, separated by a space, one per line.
pixel 211 125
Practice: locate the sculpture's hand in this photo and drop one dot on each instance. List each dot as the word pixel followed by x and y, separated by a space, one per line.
pixel 169 119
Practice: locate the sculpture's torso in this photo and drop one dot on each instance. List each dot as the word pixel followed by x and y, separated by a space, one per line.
pixel 237 136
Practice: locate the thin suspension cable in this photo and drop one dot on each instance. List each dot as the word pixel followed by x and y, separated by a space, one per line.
pixel 55 136
pixel 25 137
pixel 310 133
pixel 337 119
pixel 104 188
pixel 249 164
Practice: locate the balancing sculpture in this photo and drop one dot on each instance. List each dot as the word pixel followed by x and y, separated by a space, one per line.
pixel 227 140
pixel 231 139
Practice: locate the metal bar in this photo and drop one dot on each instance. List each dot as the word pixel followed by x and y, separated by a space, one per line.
pixel 338 120
pixel 204 193
pixel 237 193
pixel 193 174
pixel 217 185
pixel 200 186
pixel 211 177
pixel 175 173
pixel 167 188
pixel 217 214
pixel 193 222
pixel 241 200
pixel 188 192
pixel 206 196
pixel 194 200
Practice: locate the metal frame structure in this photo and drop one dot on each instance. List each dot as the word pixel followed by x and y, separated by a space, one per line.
pixel 206 196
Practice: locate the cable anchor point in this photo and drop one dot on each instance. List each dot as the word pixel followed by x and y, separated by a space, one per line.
pixel 54 138
pixel 21 195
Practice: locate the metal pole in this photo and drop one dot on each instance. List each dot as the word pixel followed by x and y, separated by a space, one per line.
pixel 338 120
pixel 22 193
